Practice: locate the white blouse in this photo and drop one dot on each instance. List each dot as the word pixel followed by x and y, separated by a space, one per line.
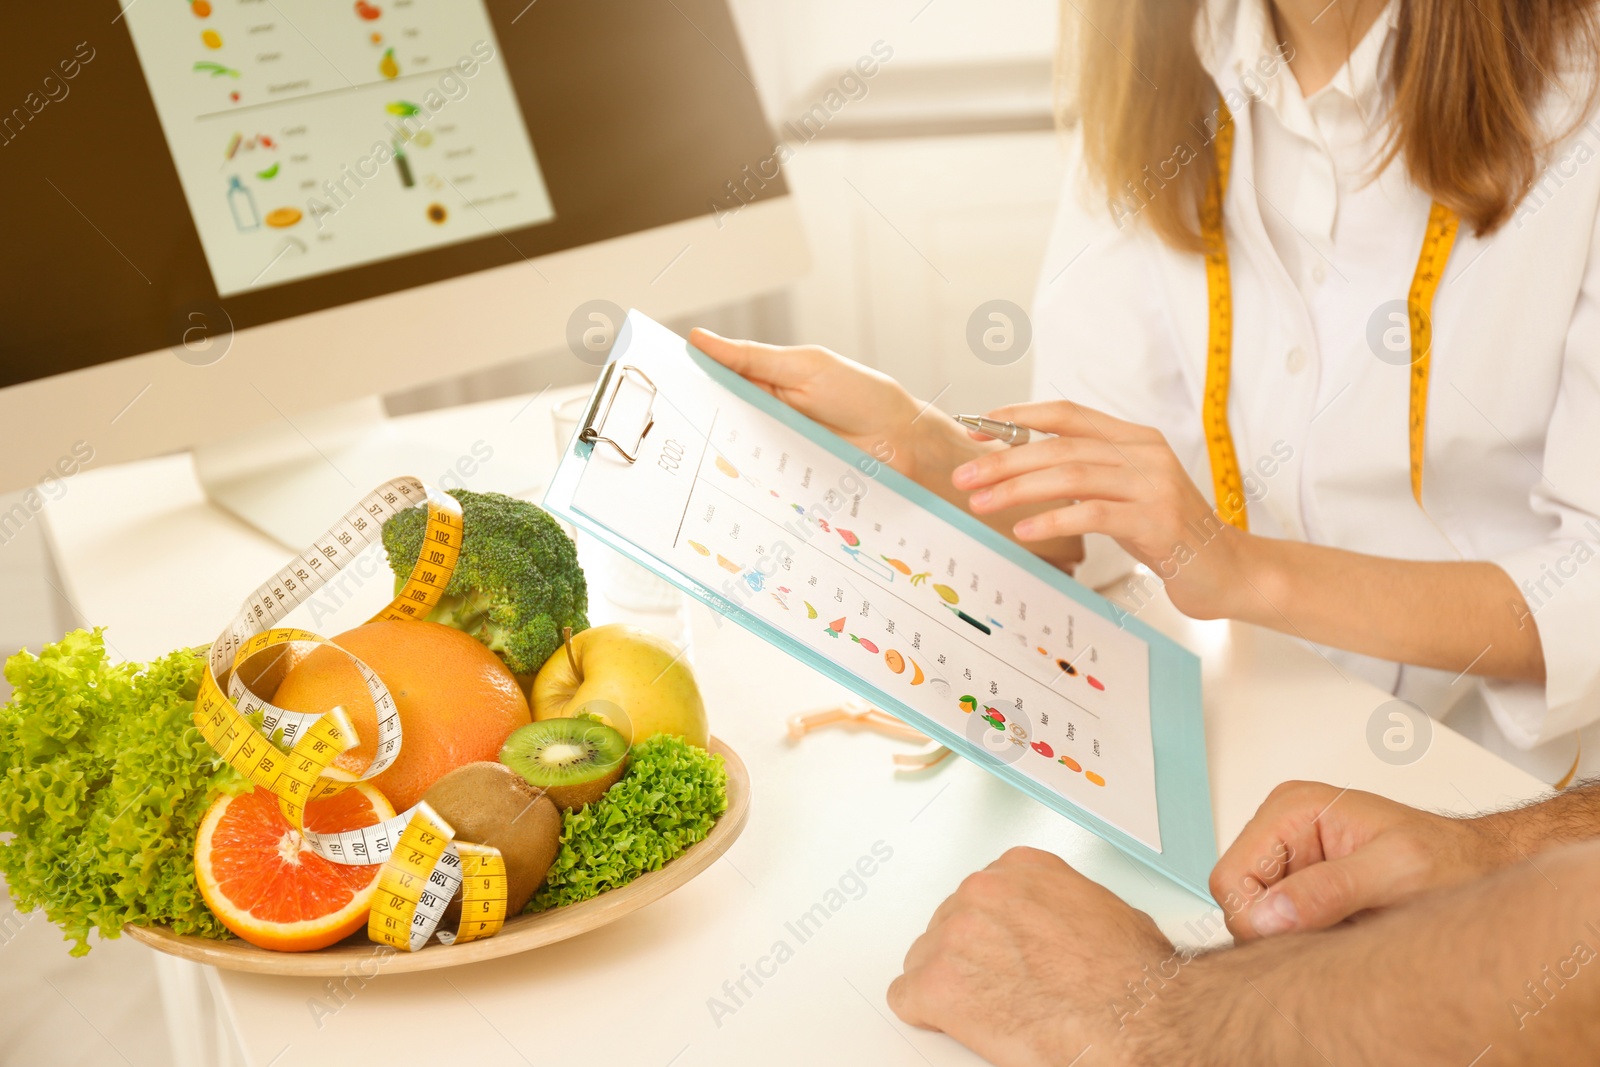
pixel 1322 254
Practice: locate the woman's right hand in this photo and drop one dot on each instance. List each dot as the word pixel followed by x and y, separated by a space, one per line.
pixel 869 409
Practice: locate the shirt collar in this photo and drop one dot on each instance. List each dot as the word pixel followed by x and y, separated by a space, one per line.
pixel 1238 47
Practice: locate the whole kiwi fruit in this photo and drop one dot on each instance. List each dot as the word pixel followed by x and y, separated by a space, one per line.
pixel 491 804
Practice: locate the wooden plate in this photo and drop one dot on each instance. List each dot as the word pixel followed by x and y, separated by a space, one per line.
pixel 518 935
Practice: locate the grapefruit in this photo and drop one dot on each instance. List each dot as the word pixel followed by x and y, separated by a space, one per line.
pixel 257 875
pixel 457 701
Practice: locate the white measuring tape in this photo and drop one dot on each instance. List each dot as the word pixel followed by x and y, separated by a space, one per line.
pixel 423 865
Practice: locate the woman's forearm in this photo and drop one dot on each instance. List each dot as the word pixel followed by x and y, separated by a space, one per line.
pixel 1467 617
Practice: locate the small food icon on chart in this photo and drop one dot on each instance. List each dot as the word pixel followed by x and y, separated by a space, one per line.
pixel 728 565
pixel 864 643
pixel 242 204
pixel 283 217
pixel 727 468
pixel 917 677
pixel 874 566
pixel 402 166
pixel 239 143
pixel 704 551
pixel 835 628
pixel 994 717
pixel 969 704
pixel 211 39
pixel 201 9
pixel 387 66
pixel 368 12
pixel 895 661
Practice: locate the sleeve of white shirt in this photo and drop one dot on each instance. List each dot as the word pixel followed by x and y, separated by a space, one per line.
pixel 1104 337
pixel 1560 577
pixel 1104 334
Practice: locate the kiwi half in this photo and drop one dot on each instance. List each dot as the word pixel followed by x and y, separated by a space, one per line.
pixel 573 760
pixel 490 804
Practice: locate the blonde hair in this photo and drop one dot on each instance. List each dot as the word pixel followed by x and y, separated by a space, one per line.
pixel 1463 89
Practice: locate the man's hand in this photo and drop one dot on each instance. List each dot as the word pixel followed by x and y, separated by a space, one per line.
pixel 1341 852
pixel 1028 963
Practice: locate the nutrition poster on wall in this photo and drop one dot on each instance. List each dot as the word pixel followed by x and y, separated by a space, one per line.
pixel 856 570
pixel 312 136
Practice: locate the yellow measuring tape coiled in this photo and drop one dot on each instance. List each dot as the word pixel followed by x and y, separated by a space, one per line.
pixel 422 877
pixel 226 710
pixel 1226 481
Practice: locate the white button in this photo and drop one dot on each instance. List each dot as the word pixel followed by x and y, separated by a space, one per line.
pixel 1296 360
pixel 1319 273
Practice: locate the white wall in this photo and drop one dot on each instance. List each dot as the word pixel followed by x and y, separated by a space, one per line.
pixel 909 235
pixel 793 43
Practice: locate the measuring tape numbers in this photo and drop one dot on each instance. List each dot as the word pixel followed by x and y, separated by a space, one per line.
pixel 423 866
pixel 1226 482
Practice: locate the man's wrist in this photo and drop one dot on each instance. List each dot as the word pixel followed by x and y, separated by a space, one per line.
pixel 1201 1017
pixel 1564 818
pixel 1500 837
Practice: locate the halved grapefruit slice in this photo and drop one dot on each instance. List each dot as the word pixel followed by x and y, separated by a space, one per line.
pixel 257 875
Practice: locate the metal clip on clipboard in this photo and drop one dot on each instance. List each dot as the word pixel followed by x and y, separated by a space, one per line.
pixel 594 420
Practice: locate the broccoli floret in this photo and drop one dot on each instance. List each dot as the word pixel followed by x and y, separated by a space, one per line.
pixel 516 584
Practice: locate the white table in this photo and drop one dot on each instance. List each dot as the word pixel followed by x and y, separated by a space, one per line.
pixel 140 551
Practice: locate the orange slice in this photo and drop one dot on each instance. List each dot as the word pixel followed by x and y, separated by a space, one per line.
pixel 257 875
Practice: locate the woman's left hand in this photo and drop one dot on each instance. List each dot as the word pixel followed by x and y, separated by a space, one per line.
pixel 1119 479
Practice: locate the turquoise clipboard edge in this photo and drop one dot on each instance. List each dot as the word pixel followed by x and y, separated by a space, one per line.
pixel 1183 791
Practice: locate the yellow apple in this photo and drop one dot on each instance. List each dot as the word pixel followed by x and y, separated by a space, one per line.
pixel 633 669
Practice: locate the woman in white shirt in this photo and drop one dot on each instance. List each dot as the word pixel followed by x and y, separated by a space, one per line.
pixel 1318 331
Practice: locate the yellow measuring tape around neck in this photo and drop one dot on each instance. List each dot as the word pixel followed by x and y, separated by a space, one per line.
pixel 1226 481
pixel 422 865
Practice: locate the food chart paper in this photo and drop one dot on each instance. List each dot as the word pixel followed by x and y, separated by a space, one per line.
pixel 911 603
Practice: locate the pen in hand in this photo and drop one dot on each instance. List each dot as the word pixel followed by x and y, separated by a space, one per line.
pixel 1007 433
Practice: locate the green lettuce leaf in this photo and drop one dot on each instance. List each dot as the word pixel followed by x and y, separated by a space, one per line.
pixel 670 798
pixel 103 782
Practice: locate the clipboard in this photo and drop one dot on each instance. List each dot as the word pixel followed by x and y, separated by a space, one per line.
pixel 826 552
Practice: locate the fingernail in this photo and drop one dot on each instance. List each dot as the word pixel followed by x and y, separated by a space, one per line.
pixel 981 497
pixel 1274 915
pixel 964 474
pixel 1024 528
